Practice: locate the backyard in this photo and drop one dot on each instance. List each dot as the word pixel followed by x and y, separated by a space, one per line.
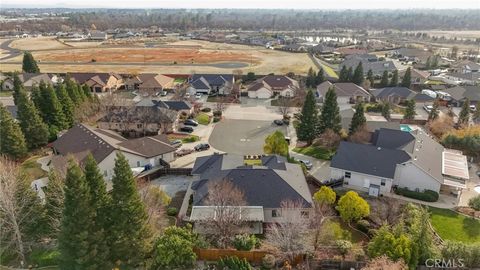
pixel 32 168
pixel 316 152
pixel 453 226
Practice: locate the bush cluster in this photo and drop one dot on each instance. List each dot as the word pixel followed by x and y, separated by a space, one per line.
pixel 245 242
pixel 426 196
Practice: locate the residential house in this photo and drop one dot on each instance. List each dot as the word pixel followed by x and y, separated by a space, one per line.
pixel 374 121
pixel 99 82
pixel 221 84
pixel 6 83
pixel 394 95
pixel 466 67
pixel 347 92
pixel 419 77
pixel 456 78
pixel 30 79
pixel 377 67
pixel 98 35
pixel 273 85
pixel 139 121
pixel 459 94
pixel 133 82
pixel 400 159
pixel 413 54
pixel 153 83
pixel 104 145
pixel 175 105
pixel 350 50
pixel 265 187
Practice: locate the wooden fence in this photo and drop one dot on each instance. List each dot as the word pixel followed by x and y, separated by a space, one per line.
pixel 254 256
pixel 164 171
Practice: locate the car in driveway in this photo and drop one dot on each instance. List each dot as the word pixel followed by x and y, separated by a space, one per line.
pixel 308 164
pixel 198 96
pixel 190 122
pixel 278 122
pixel 202 147
pixel 186 129
pixel 176 143
pixel 428 108
pixel 183 152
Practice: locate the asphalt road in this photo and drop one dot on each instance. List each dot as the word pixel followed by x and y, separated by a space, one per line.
pixel 10 51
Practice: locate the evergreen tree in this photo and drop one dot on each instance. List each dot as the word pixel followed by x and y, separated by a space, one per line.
pixel 433 114
pixel 80 93
pixel 428 64
pixel 54 198
pixel 330 116
pixel 99 202
pixel 386 110
pixel 384 80
pixel 307 128
pixel 86 91
pixel 371 78
pixel 129 231
pixel 343 76
pixel 52 108
pixel 410 110
pixel 310 82
pixel 17 87
pixel 76 221
pixel 31 122
pixel 37 100
pixel 358 119
pixel 358 74
pixel 29 64
pixel 476 114
pixel 12 141
pixel 320 77
pixel 349 74
pixel 68 107
pixel 407 78
pixel 464 116
pixel 435 61
pixel 394 80
pixel 72 90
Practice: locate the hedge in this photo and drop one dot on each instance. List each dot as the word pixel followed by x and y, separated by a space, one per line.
pixel 426 196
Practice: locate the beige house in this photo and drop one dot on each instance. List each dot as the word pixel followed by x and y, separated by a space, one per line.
pixel 99 82
pixel 347 92
pixel 153 83
pixel 273 85
pixel 266 187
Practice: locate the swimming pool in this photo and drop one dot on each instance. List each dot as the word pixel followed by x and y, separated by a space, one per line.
pixel 405 128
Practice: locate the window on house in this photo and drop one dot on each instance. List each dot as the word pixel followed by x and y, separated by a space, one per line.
pixel 138 164
pixel 304 214
pixel 348 174
pixel 383 182
pixel 139 125
pixel 276 213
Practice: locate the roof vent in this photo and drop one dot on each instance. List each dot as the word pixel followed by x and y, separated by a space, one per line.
pixel 379 148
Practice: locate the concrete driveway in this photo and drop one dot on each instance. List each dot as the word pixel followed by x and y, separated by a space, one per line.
pixel 320 168
pixel 252 112
pixel 243 137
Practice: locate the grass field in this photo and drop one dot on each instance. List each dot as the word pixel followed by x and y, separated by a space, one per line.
pixel 32 168
pixel 453 226
pixel 315 151
pixel 5 93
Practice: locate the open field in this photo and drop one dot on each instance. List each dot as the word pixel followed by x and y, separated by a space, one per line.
pixel 175 57
pixel 453 226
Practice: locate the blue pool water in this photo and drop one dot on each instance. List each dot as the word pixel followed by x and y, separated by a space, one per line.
pixel 405 128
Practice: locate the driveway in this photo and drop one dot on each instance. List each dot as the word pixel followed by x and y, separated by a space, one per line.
pixel 469 192
pixel 243 137
pixel 254 111
pixel 320 169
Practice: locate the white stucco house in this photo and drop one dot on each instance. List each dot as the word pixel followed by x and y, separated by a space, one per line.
pixel 396 158
pixel 80 140
pixel 271 85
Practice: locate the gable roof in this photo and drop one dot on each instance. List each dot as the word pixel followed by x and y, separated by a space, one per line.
pixel 178 105
pixel 148 146
pixel 462 92
pixel 205 81
pixel 398 91
pixel 368 159
pixel 390 138
pixel 144 114
pixel 275 81
pixel 344 89
pixel 81 78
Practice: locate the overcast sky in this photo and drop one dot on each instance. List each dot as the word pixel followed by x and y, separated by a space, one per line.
pixel 270 4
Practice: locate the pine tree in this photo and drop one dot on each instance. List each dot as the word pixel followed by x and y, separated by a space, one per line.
pixel 428 64
pixel 37 100
pixel 54 198
pixel 29 64
pixel 371 78
pixel 386 110
pixel 343 76
pixel 394 80
pixel 358 119
pixel 307 128
pixel 407 78
pixel 410 110
pixel 330 116
pixel 72 90
pixel 76 221
pixel 320 77
pixel 129 231
pixel 435 61
pixel 433 114
pixel 384 80
pixel 17 87
pixel 358 74
pixel 68 107
pixel 99 202
pixel 52 108
pixel 30 122
pixel 464 116
pixel 80 93
pixel 349 74
pixel 86 91
pixel 12 141
pixel 310 82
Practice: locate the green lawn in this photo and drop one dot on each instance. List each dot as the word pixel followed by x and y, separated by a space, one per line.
pixel 256 162
pixel 203 119
pixel 5 93
pixel 316 152
pixel 32 168
pixel 453 226
pixel 184 138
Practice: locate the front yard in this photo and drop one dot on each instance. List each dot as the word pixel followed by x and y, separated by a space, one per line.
pixel 453 226
pixel 316 152
pixel 203 119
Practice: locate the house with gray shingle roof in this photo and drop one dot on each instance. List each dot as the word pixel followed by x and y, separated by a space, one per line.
pixel 396 158
pixel 347 92
pixel 265 187
pixel 221 84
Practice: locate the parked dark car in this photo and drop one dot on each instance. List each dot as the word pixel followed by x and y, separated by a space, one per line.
pixel 278 122
pixel 190 122
pixel 186 129
pixel 202 147
pixel 176 143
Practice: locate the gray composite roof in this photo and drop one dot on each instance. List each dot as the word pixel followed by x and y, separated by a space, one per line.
pixel 462 92
pixel 368 159
pixel 399 91
pixel 390 138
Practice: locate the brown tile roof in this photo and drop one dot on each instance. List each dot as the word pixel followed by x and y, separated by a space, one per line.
pixel 345 89
pixel 148 146
pixel 275 81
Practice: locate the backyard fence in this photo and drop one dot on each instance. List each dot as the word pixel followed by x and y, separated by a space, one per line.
pixel 254 256
pixel 164 171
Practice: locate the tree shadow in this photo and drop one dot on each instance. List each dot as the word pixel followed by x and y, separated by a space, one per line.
pixel 472 227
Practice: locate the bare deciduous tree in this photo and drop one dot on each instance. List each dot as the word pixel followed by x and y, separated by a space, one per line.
pixel 328 139
pixel 362 135
pixel 20 210
pixel 284 106
pixel 384 263
pixel 228 218
pixel 385 211
pixel 156 201
pixel 221 104
pixel 290 234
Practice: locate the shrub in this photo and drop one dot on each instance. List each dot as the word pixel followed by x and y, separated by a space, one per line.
pixel 426 196
pixel 475 203
pixel 245 242
pixel 268 261
pixel 234 263
pixel 216 119
pixel 217 113
pixel 172 211
pixel 363 225
pixel 344 246
pixel 374 107
pixel 206 109
pixel 190 139
pixel 41 257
